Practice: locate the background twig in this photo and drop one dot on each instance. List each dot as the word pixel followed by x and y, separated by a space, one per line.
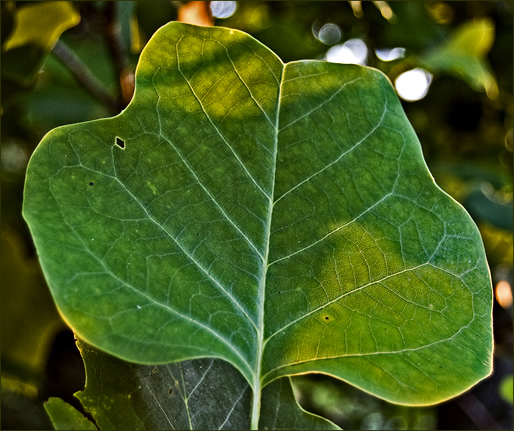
pixel 119 56
pixel 83 75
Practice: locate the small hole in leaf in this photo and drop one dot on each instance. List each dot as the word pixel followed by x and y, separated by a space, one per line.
pixel 120 143
pixel 170 391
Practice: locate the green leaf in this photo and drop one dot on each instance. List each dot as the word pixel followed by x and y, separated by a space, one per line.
pixel 41 24
pixel 278 216
pixel 29 320
pixel 197 394
pixel 280 410
pixel 464 55
pixel 36 29
pixel 65 417
pixel 355 409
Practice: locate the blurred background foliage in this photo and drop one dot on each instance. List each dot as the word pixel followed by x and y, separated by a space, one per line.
pixel 451 62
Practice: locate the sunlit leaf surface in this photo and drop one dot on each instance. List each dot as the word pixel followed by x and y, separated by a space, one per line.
pixel 280 217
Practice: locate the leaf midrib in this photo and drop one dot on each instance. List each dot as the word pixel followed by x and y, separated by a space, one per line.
pixel 257 383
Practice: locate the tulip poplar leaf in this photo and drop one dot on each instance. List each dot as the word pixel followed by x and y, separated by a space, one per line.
pixel 280 217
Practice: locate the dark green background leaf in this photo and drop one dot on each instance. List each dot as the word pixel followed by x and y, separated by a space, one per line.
pixel 197 394
pixel 66 417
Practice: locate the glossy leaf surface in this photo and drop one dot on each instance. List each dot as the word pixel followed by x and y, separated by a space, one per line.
pixel 280 217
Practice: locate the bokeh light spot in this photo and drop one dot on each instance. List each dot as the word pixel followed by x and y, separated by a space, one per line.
pixel 353 51
pixel 386 54
pixel 330 33
pixel 503 293
pixel 413 85
pixel 223 9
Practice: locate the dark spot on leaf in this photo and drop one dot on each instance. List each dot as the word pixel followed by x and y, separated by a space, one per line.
pixel 327 318
pixel 91 184
pixel 170 391
pixel 120 142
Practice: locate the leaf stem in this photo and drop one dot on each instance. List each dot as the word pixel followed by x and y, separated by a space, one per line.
pixel 256 404
pixel 257 385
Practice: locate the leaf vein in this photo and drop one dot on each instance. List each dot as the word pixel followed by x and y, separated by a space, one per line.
pixel 218 131
pixel 165 306
pixel 333 231
pixel 340 157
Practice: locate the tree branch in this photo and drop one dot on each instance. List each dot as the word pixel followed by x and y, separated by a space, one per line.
pixel 83 75
pixel 117 50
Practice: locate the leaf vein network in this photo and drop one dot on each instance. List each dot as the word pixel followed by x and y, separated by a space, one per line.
pixel 236 402
pixel 218 131
pixel 175 240
pixel 353 147
pixel 163 410
pixel 337 229
pixel 342 296
pixel 248 89
pixel 369 354
pixel 213 199
pixel 159 304
pixel 320 105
